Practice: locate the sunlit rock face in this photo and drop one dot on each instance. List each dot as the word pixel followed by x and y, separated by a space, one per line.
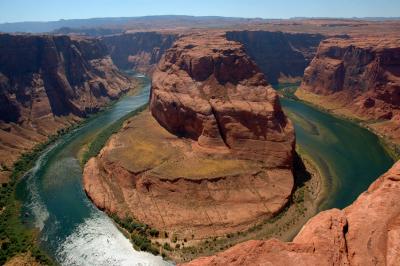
pixel 365 233
pixel 208 89
pixel 215 153
pixel 48 82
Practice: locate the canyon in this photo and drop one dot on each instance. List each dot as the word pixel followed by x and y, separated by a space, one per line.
pixel 357 78
pixel 138 51
pixel 48 83
pixel 214 153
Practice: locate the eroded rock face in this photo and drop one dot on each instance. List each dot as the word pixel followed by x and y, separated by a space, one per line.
pixel 209 90
pixel 215 156
pixel 365 233
pixel 362 74
pixel 48 82
pixel 139 51
pixel 281 56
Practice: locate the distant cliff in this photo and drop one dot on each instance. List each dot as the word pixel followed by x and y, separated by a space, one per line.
pixel 358 78
pixel 139 51
pixel 281 56
pixel 47 83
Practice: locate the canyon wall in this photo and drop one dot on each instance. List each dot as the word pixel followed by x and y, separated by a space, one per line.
pixel 138 51
pixel 281 56
pixel 210 90
pixel 47 83
pixel 216 154
pixel 365 233
pixel 357 78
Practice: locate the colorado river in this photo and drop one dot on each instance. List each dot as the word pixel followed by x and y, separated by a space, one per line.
pixel 74 232
pixel 349 157
pixel 71 229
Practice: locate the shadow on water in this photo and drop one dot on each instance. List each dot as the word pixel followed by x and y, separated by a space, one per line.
pixel 349 157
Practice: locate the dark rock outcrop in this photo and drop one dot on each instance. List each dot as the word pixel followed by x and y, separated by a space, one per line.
pixel 138 51
pixel 281 56
pixel 47 83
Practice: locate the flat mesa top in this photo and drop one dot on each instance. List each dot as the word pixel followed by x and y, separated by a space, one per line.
pixel 207 44
pixel 374 43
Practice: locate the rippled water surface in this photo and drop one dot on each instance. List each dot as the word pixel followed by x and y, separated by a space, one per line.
pixel 75 232
pixel 72 229
pixel 349 156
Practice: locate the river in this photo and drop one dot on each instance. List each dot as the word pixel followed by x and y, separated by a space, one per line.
pixel 74 232
pixel 350 157
pixel 71 229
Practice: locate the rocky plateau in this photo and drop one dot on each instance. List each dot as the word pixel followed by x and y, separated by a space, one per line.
pixel 215 156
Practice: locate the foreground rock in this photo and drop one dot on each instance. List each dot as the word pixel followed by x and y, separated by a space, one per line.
pixel 357 78
pixel 221 159
pixel 365 233
pixel 48 83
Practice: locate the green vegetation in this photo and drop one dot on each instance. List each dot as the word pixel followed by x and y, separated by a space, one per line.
pixel 139 233
pixel 15 238
pixel 287 89
pixel 100 140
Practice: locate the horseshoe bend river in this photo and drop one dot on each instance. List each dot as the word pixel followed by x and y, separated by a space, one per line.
pixel 74 232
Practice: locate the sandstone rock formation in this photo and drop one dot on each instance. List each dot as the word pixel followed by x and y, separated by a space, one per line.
pixel 139 51
pixel 209 90
pixel 365 233
pixel 47 83
pixel 222 159
pixel 281 56
pixel 358 78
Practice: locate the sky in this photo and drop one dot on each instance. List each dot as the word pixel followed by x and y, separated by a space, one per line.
pixel 46 10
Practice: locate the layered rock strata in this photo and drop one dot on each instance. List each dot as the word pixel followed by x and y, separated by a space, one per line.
pixel 365 233
pixel 357 78
pixel 209 90
pixel 49 82
pixel 139 51
pixel 281 56
pixel 218 160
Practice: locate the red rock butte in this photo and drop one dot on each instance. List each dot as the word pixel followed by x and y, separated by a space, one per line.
pixel 221 161
pixel 208 89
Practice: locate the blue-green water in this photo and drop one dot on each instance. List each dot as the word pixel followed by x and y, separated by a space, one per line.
pixel 75 232
pixel 349 156
pixel 71 228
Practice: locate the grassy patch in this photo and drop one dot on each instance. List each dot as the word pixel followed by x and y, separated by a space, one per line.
pixel 206 168
pixel 139 233
pixel 100 140
pixel 15 238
